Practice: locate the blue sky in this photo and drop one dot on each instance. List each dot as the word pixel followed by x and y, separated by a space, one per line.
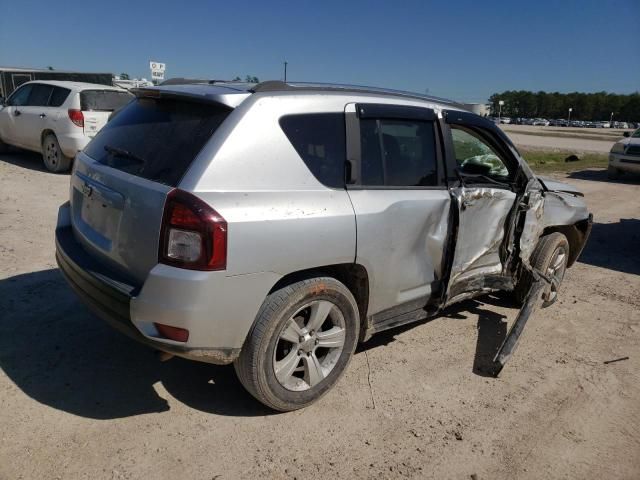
pixel 463 50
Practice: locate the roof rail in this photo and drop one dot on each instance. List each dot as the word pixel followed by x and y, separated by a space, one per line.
pixel 279 86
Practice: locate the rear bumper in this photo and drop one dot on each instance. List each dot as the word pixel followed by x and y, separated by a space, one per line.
pixel 110 296
pixel 627 163
pixel 72 143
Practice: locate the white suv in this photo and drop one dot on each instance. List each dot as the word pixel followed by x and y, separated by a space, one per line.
pixel 57 119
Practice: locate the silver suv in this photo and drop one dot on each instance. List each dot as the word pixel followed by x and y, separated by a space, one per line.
pixel 277 225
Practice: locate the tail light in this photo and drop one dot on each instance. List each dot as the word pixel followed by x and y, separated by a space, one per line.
pixel 193 235
pixel 76 117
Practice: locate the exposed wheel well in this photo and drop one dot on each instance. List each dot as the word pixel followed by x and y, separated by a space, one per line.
pixel 45 133
pixel 575 235
pixel 353 275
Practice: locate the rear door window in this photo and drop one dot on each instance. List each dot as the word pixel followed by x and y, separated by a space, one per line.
pixel 58 96
pixel 398 153
pixel 103 100
pixel 156 139
pixel 39 96
pixel 319 139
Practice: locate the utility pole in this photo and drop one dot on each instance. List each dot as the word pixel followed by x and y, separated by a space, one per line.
pixel 611 120
pixel 569 120
pixel 285 72
pixel 500 103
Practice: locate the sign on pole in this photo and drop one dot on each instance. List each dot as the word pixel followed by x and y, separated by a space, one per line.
pixel 157 70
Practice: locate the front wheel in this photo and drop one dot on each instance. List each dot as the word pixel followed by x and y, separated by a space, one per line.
pixel 550 257
pixel 300 344
pixel 52 155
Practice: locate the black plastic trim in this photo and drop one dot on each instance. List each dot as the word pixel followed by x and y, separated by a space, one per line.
pixel 403 112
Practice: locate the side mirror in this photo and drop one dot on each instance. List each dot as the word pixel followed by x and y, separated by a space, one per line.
pixel 626 134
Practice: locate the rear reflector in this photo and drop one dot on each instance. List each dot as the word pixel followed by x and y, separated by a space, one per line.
pixel 172 333
pixel 193 235
pixel 76 117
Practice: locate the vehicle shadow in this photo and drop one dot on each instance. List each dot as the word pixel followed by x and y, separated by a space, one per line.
pixel 24 159
pixel 492 329
pixel 61 355
pixel 598 175
pixel 614 246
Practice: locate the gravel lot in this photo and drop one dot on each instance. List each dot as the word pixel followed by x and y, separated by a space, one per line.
pixel 558 138
pixel 78 400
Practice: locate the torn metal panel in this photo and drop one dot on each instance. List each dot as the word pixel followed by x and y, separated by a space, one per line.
pixel 483 213
pixel 532 302
pixel 563 209
pixel 533 203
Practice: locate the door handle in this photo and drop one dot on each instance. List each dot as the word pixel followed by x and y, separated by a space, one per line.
pixel 42 115
pixel 17 113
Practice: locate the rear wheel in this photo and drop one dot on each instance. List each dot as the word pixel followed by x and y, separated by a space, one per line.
pixel 52 155
pixel 549 257
pixel 3 147
pixel 301 343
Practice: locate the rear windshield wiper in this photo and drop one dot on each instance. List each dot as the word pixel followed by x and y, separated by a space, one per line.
pixel 123 153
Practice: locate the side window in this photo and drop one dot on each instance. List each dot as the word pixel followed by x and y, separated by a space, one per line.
pixel 20 96
pixel 319 139
pixel 39 95
pixel 398 153
pixel 58 96
pixel 474 155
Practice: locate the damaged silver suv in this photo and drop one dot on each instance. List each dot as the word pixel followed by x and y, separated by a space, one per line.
pixel 274 226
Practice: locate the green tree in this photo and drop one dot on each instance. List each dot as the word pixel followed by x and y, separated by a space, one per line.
pixel 585 106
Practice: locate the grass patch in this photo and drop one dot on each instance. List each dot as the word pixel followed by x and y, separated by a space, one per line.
pixel 549 161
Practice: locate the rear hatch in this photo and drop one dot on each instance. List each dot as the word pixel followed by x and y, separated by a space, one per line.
pixel 98 105
pixel 120 181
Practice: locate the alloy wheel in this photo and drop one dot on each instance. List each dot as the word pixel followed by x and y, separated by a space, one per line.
pixel 309 345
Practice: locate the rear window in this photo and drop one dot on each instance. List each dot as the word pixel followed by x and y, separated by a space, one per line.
pixel 58 96
pixel 103 100
pixel 156 139
pixel 319 139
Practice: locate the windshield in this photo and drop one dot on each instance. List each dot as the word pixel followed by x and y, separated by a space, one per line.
pixel 636 134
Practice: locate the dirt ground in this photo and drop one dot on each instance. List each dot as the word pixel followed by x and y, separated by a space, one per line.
pixel 598 140
pixel 78 400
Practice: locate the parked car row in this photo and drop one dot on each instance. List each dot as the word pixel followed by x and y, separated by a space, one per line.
pixel 57 118
pixel 561 122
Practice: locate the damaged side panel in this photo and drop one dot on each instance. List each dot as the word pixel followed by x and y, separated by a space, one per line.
pixel 400 241
pixel 477 264
pixel 533 202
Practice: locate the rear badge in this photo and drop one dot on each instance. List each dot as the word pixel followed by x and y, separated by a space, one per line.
pixel 87 190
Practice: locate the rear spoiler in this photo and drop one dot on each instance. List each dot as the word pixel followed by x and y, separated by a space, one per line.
pixel 228 100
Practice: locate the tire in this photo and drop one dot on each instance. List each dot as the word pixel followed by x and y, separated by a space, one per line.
pixel 52 156
pixel 613 173
pixel 4 148
pixel 550 257
pixel 314 311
